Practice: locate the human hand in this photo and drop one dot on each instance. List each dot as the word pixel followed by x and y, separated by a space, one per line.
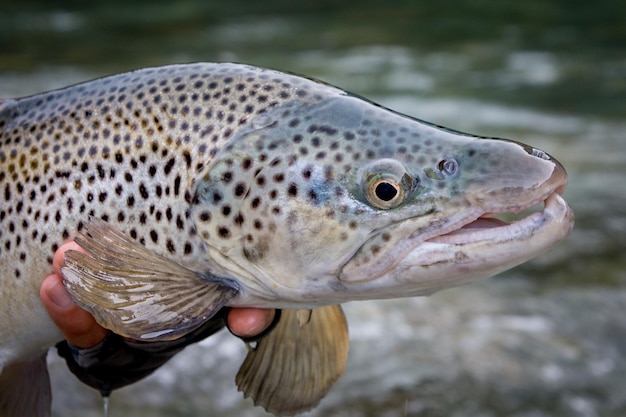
pixel 81 330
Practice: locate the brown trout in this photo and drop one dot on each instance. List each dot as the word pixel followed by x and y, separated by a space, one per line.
pixel 195 187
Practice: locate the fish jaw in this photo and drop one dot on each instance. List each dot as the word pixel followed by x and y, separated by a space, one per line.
pixel 468 254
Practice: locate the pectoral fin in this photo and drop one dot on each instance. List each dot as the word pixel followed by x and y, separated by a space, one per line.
pixel 293 367
pixel 137 293
pixel 25 389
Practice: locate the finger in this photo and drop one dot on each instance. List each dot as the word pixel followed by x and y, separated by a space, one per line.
pixel 249 322
pixel 78 326
pixel 59 256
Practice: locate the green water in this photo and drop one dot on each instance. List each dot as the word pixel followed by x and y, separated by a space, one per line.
pixel 546 339
pixel 586 38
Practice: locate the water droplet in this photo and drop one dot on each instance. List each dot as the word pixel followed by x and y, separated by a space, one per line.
pixel 106 397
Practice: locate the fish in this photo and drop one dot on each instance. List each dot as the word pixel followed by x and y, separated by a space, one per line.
pixel 200 186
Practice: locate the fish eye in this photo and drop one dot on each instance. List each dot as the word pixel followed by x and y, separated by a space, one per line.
pixel 386 184
pixel 384 192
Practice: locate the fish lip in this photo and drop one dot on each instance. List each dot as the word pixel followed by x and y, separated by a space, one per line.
pixel 555 209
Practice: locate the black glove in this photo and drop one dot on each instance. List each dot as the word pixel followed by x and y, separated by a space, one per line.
pixel 116 362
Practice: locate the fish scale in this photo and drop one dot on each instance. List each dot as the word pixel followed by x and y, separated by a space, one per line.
pixel 125 149
pixel 199 186
pixel 104 149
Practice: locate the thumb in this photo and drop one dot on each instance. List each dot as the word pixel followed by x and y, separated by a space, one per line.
pixel 78 326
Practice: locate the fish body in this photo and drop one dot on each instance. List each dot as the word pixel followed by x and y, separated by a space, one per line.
pixel 229 185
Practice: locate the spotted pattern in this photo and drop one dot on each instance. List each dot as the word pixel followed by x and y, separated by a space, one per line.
pixel 195 160
pixel 124 148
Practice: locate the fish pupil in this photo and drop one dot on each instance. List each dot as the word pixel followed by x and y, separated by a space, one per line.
pixel 385 191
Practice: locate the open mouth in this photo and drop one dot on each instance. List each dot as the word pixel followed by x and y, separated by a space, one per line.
pixel 505 224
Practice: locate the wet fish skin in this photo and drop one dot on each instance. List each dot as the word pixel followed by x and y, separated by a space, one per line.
pixel 126 149
pixel 261 183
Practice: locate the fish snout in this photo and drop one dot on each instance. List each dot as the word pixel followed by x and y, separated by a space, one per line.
pixel 512 176
pixel 558 180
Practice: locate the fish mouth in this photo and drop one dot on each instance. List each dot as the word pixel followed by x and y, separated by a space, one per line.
pixel 520 221
pixel 507 223
pixel 494 229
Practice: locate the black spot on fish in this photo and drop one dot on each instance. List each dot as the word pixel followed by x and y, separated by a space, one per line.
pixel 168 167
pixel 313 197
pixel 177 181
pixel 143 191
pixel 170 246
pixel 240 189
pixel 292 190
pixel 246 164
pixel 275 161
pixel 205 217
pixel 227 177
pixel 223 232
pixel 187 157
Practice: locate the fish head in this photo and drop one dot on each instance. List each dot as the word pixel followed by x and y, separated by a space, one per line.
pixel 334 198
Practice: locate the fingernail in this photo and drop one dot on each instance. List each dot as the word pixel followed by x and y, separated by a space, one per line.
pixel 59 295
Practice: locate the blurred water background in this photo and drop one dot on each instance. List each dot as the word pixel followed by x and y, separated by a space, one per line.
pixel 545 339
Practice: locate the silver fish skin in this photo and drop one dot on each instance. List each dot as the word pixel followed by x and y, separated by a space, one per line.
pixel 253 188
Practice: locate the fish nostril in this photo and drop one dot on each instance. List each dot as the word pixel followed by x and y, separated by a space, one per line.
pixel 448 167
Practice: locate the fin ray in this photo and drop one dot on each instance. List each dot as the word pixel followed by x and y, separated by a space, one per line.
pixel 292 368
pixel 135 292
